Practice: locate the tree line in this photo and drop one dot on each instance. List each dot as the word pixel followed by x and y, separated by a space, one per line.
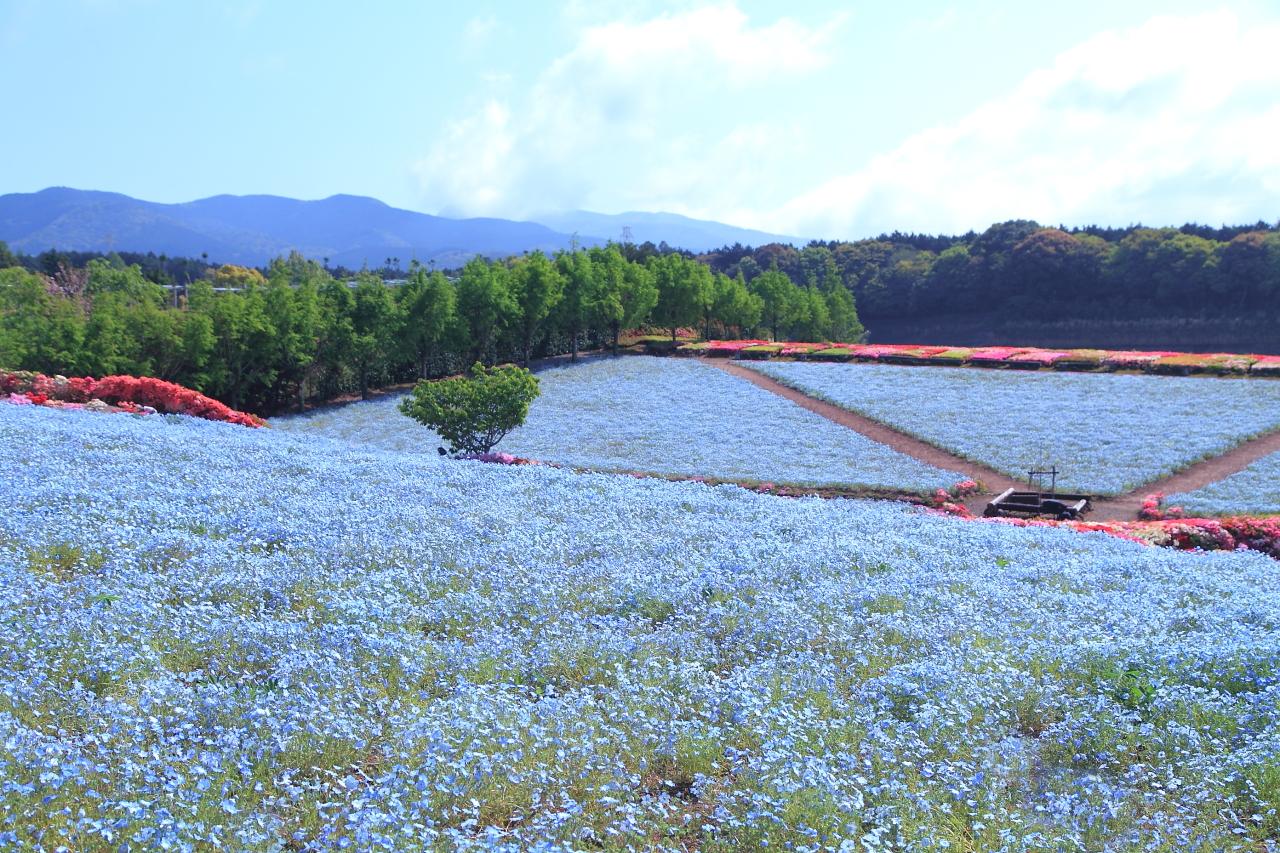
pixel 269 340
pixel 1020 269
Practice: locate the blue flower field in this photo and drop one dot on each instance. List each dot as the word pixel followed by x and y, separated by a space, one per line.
pixel 1253 491
pixel 660 416
pixel 1109 433
pixel 224 638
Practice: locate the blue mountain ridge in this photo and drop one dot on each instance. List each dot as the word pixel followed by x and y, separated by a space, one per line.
pixel 347 229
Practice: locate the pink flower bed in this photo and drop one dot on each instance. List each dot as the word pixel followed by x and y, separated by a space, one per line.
pixel 995 353
pixel 791 348
pixel 1152 361
pixel 1133 359
pixel 730 347
pixel 1266 365
pixel 1038 356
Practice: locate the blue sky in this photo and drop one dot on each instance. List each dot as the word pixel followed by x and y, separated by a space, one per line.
pixel 821 118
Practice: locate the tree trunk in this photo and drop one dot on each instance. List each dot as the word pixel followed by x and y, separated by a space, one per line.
pixel 574 347
pixel 615 338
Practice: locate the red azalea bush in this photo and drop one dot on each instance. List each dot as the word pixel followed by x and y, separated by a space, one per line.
pixel 169 397
pixel 1186 534
pixel 135 394
pixel 1153 511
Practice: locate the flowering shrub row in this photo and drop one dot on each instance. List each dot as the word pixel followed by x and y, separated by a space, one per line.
pixel 1149 361
pixel 133 394
pixel 1186 534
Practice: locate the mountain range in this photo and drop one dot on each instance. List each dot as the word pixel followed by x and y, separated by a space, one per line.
pixel 353 231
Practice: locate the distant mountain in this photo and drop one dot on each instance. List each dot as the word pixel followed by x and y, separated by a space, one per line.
pixel 348 230
pixel 696 235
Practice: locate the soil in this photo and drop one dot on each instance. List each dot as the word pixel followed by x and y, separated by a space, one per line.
pixel 1123 507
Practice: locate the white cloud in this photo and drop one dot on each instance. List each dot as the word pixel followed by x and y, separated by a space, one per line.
pixel 622 119
pixel 478 29
pixel 1171 121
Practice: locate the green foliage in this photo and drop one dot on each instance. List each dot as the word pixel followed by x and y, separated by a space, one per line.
pixel 683 288
pixel 537 287
pixel 474 412
pixel 429 313
pixel 780 300
pixel 622 294
pixel 485 304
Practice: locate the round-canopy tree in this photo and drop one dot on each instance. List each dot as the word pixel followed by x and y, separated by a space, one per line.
pixel 474 412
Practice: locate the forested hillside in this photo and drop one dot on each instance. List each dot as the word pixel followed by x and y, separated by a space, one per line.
pixel 1018 282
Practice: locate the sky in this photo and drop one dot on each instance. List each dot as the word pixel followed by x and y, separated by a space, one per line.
pixel 836 120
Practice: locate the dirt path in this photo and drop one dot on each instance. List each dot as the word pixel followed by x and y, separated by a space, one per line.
pixel 995 481
pixel 1197 476
pixel 1117 508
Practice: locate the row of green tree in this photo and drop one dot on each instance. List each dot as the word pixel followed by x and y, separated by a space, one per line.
pixel 1020 269
pixel 270 341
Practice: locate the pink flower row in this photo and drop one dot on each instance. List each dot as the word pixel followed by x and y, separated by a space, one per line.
pixel 1155 361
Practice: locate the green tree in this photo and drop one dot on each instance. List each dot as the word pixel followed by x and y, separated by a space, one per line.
pixel 812 319
pixel 578 274
pixel 241 368
pixel 38 330
pixel 485 304
pixel 474 412
pixel 429 313
pixel 374 320
pixel 683 285
pixel 292 303
pixel 537 288
pixel 845 327
pixel 736 307
pixel 622 293
pixel 780 300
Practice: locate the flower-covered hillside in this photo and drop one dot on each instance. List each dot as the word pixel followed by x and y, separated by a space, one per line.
pixel 240 639
pixel 1107 433
pixel 375 424
pixel 664 416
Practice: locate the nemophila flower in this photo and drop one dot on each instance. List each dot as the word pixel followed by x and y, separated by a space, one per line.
pixel 1254 490
pixel 1099 429
pixel 255 640
pixel 660 416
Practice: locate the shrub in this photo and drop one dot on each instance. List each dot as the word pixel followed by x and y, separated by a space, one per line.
pixel 474 412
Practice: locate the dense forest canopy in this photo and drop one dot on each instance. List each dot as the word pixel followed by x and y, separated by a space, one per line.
pixel 271 338
pixel 1025 270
